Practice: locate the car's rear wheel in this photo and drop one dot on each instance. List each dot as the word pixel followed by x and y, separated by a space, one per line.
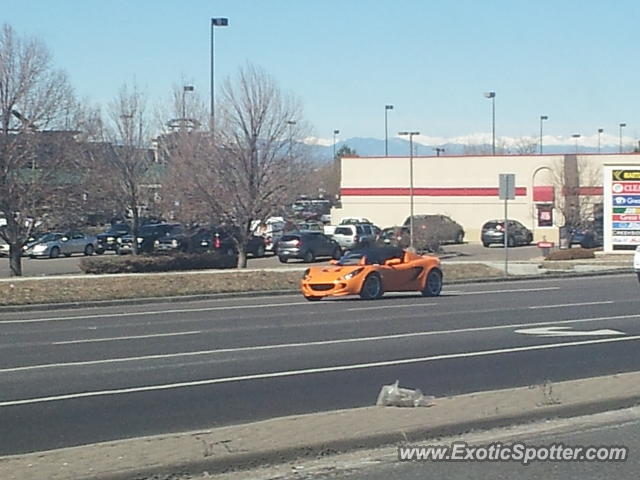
pixel 460 238
pixel 486 244
pixel 313 299
pixel 88 250
pixel 308 257
pixel 99 251
pixel 511 242
pixel 372 287
pixel 283 259
pixel 433 287
pixel 54 253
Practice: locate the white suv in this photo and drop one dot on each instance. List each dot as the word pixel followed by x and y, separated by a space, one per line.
pixel 355 236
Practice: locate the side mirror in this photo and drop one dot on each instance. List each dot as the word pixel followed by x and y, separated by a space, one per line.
pixel 393 261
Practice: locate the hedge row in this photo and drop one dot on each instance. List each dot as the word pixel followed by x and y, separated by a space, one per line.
pixel 147 264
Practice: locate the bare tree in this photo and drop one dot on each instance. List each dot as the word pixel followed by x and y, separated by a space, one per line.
pixel 35 170
pixel 526 145
pixel 252 167
pixel 125 163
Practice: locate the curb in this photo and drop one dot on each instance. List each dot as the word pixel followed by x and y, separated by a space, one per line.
pixel 262 293
pixel 280 440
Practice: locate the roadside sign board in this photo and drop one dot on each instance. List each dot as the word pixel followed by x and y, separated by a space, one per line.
pixel 507 186
pixel 621 206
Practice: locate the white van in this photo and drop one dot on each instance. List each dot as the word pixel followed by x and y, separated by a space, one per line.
pixel 271 229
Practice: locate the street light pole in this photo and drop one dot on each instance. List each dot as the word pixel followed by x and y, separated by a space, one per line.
pixel 542 118
pixel 439 150
pixel 622 125
pixel 291 123
pixel 576 136
pixel 185 89
pixel 492 96
pixel 215 22
pixel 335 132
pixel 386 137
pixel 411 234
pixel 600 130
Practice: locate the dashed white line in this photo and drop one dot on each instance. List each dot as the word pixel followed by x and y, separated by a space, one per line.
pixel 130 337
pixel 564 305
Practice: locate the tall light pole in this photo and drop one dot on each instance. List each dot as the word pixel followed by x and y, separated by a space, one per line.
pixel 185 89
pixel 576 136
pixel 410 135
pixel 542 118
pixel 439 150
pixel 335 132
pixel 291 123
pixel 622 125
pixel 600 130
pixel 492 96
pixel 215 22
pixel 386 137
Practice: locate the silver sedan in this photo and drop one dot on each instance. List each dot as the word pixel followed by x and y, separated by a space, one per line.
pixel 53 245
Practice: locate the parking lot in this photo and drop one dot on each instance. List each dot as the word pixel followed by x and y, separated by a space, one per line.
pixel 464 252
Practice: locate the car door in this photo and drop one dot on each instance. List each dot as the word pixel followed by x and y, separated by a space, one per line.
pixel 66 244
pixel 77 242
pixel 327 245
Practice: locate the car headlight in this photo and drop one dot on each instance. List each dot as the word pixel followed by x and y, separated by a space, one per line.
pixel 140 239
pixel 119 240
pixel 174 243
pixel 305 275
pixel 155 244
pixel 110 239
pixel 39 248
pixel 353 273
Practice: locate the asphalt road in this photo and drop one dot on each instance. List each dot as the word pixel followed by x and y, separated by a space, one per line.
pixel 79 376
pixel 65 266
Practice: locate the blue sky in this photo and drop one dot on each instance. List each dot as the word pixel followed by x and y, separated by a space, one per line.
pixel 575 61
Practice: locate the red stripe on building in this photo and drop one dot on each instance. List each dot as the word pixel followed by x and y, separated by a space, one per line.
pixel 428 192
pixel 590 191
pixel 543 194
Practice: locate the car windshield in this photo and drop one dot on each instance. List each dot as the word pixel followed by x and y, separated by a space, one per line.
pixel 343 231
pixel 50 237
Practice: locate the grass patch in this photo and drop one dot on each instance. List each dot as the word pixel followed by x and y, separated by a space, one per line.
pixel 90 288
pixel 157 263
pixel 573 254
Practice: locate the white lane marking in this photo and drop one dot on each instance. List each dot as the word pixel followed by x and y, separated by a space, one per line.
pixel 563 305
pixel 155 312
pixel 511 290
pixel 131 337
pixel 414 305
pixel 567 332
pixel 306 344
pixel 308 371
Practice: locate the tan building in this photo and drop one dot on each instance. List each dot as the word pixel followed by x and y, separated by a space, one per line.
pixel 548 189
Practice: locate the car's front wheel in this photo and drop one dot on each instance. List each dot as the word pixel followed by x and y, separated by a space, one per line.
pixel 283 259
pixel 88 250
pixel 372 287
pixel 337 253
pixel 433 286
pixel 313 299
pixel 54 253
pixel 308 257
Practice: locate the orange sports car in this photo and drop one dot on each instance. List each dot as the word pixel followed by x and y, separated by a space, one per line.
pixel 372 271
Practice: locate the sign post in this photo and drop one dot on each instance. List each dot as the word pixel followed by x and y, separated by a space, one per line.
pixel 507 191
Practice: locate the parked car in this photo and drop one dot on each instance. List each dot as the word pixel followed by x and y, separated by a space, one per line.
pixel 436 228
pixel 493 232
pixel 4 248
pixel 636 261
pixel 147 235
pixel 307 246
pixel 221 240
pixel 271 230
pixel 311 227
pixel 174 240
pixel 355 221
pixel 355 236
pixel 394 237
pixel 54 244
pixel 590 235
pixel 372 272
pixel 109 240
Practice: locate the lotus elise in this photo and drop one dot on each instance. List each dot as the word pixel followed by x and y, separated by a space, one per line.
pixel 371 272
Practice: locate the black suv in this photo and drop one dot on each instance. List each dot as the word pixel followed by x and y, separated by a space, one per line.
pixel 109 240
pixel 493 232
pixel 308 246
pixel 147 235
